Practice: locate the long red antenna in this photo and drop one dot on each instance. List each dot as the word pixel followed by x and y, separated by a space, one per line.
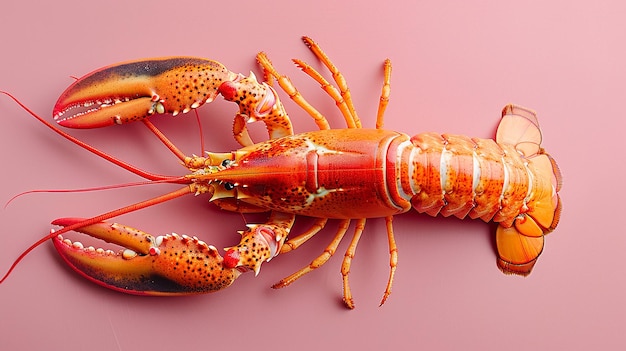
pixel 118 212
pixel 174 180
pixel 82 144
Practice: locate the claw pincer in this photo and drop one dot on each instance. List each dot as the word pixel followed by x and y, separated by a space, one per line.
pixel 164 265
pixel 135 90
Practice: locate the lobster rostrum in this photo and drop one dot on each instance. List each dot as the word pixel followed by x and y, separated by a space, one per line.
pixel 344 174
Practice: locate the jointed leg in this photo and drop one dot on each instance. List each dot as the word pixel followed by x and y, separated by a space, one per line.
pixel 320 260
pixel 384 95
pixel 393 258
pixel 346 111
pixel 347 261
pixel 295 242
pixel 337 76
pixel 290 89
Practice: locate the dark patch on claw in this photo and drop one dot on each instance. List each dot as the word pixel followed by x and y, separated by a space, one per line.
pixel 143 285
pixel 149 68
pixel 132 91
pixel 172 265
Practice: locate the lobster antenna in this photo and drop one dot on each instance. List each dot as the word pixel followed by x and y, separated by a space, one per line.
pixel 201 131
pixel 82 144
pixel 174 180
pixel 26 252
pixel 93 220
pixel 150 177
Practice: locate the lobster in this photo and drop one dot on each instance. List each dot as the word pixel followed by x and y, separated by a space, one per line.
pixel 344 174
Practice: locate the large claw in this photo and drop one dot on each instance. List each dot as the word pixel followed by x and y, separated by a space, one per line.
pixel 164 265
pixel 134 90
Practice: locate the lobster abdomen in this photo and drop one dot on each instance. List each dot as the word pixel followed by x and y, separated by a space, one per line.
pixel 461 176
pixel 511 181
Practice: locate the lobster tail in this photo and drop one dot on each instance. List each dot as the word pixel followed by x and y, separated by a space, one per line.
pixel 521 242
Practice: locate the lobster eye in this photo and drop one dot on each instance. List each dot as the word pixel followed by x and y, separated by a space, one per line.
pixel 226 163
pixel 229 186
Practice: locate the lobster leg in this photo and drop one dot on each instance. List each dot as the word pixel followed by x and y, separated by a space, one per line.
pixel 347 262
pixel 347 110
pixel 295 242
pixel 384 95
pixel 329 251
pixel 338 77
pixel 290 89
pixel 393 258
pixel 341 96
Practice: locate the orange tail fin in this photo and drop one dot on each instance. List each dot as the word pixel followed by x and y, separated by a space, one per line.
pixel 520 245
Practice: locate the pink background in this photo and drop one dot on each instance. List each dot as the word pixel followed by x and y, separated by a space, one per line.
pixel 455 66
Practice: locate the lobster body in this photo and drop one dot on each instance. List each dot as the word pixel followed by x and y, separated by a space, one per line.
pixel 355 173
pixel 345 174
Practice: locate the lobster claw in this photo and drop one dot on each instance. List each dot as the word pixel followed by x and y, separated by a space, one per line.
pixel 164 265
pixel 132 91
